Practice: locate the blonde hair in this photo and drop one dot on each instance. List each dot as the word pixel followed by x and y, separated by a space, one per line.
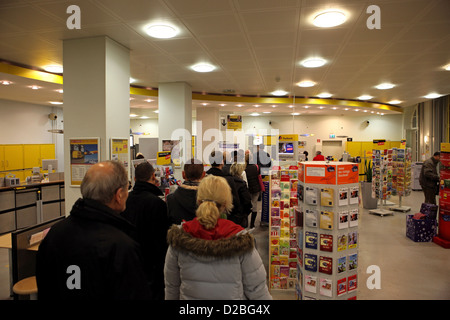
pixel 213 197
pixel 236 169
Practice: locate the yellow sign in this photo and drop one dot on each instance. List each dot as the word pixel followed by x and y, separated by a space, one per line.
pixel 445 146
pixel 288 137
pixel 163 158
pixel 234 122
pixel 269 140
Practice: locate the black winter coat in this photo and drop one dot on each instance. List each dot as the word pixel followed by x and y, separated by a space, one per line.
pixel 245 198
pixel 182 204
pixel 100 243
pixel 148 212
pixel 252 173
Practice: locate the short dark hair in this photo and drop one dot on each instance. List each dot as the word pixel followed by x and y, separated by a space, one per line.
pixel 143 171
pixel 216 158
pixel 193 169
pixel 437 153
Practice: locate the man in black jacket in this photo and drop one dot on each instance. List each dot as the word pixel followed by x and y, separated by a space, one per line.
pixel 92 254
pixel 148 212
pixel 216 160
pixel 182 204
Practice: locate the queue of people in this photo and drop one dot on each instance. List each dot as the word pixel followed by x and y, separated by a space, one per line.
pixel 117 244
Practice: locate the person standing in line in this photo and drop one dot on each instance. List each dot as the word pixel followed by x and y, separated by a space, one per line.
pixel 319 156
pixel 182 203
pixel 429 178
pixel 245 198
pixel 216 160
pixel 213 258
pixel 263 160
pixel 148 212
pixel 93 253
pixel 252 173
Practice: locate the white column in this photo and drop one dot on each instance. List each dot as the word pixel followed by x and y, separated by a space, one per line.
pixel 208 131
pixel 96 97
pixel 175 115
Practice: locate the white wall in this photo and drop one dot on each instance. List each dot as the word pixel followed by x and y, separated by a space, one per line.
pixel 26 123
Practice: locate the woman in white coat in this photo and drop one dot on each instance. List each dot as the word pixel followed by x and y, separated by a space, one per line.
pixel 213 258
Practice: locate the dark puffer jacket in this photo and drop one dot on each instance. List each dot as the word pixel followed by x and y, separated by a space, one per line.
pixel 182 204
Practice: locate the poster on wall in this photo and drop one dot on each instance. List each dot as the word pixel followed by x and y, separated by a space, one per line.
pixel 173 146
pixel 84 153
pixel 234 122
pixel 119 150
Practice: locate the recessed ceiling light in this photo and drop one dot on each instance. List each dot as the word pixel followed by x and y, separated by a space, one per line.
pixel 313 62
pixel 395 101
pixel 346 109
pixel 60 90
pixel 35 87
pixel 148 100
pixel 295 114
pixel 274 106
pixel 132 80
pixel 132 115
pixel 365 97
pixel 267 112
pixel 54 69
pixel 432 95
pixel 279 92
pixel 334 108
pixel 329 18
pixel 356 110
pixel 306 84
pixel 144 117
pixel 239 106
pixel 291 106
pixel 222 105
pixel 321 107
pixel 382 114
pixel 56 102
pixel 203 67
pixel 156 111
pixel 324 95
pixel 306 107
pixel 204 104
pixel 384 86
pixel 254 114
pixel 447 67
pixel 161 31
pixel 6 82
pixel 256 105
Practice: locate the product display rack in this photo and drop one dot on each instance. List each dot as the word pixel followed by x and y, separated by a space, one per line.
pixel 443 236
pixel 283 241
pixel 327 226
pixel 401 185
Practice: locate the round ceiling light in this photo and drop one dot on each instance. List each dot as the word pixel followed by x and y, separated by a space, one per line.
pixel 365 97
pixel 329 19
pixel 203 67
pixel 279 93
pixel 313 63
pixel 395 101
pixel 161 31
pixel 324 95
pixel 306 84
pixel 432 95
pixel 384 86
pixel 54 69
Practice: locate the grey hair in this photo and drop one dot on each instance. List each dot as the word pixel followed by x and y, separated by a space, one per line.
pixel 102 185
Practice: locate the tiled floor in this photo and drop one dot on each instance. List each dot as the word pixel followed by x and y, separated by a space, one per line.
pixel 409 270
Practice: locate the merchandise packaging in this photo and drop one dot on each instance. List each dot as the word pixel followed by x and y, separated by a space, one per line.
pixel 420 230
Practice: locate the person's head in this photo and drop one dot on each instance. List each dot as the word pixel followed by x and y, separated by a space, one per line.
pixel 107 183
pixel 305 153
pixel 236 169
pixel 213 198
pixel 248 157
pixel 144 172
pixel 216 159
pixel 139 156
pixel 193 170
pixel 318 152
pixel 227 157
pixel 437 156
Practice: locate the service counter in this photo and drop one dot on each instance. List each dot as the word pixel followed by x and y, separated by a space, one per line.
pixel 30 204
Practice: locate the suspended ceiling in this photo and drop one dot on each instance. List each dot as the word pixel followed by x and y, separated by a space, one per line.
pixel 256 45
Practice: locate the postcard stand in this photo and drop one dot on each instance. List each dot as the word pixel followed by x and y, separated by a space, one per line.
pixel 402 176
pixel 381 181
pixel 327 226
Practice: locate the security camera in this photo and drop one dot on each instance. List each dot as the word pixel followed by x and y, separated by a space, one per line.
pixel 367 122
pixel 52 116
pixel 270 122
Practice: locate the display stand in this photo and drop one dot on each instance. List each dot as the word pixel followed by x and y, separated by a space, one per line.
pixel 381 181
pixel 401 176
pixel 443 236
pixel 327 219
pixel 283 242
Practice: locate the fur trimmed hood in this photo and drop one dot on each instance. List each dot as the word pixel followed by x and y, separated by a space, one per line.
pixel 239 243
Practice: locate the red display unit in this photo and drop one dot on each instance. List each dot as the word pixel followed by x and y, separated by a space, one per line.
pixel 443 237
